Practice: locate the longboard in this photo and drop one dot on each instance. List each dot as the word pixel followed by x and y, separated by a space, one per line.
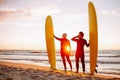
pixel 50 44
pixel 93 35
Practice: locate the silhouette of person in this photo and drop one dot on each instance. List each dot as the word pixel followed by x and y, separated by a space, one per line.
pixel 65 50
pixel 80 50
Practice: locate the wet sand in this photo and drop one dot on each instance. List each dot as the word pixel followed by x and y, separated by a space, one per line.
pixel 16 71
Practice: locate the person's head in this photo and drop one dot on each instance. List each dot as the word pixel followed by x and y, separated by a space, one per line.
pixel 64 35
pixel 81 34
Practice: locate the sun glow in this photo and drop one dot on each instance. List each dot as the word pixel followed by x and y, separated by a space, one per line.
pixel 68 48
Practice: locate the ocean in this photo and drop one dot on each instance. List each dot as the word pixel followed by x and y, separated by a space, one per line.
pixel 108 60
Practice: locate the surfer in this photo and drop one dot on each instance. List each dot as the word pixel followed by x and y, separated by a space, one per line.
pixel 80 50
pixel 65 50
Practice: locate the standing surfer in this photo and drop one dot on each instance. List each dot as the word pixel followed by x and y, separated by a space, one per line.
pixel 65 50
pixel 80 50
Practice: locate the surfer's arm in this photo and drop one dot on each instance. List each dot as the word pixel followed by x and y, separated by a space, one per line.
pixel 87 44
pixel 74 38
pixel 57 38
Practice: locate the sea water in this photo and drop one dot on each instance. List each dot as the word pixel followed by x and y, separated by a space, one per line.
pixel 108 60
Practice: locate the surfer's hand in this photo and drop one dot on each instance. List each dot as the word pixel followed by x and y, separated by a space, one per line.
pixel 78 36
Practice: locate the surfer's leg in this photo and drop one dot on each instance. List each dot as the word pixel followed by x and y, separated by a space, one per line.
pixel 83 63
pixel 68 59
pixel 64 63
pixel 77 63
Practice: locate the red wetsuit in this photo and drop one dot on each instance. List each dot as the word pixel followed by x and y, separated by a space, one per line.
pixel 80 51
pixel 65 53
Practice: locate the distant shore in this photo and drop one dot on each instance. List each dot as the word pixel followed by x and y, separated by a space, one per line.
pixel 16 71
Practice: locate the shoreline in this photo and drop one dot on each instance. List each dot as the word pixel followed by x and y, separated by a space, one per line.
pixel 18 71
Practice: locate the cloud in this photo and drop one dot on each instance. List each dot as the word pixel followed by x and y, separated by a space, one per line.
pixel 12 12
pixel 29 11
pixel 43 11
pixel 115 12
pixel 17 8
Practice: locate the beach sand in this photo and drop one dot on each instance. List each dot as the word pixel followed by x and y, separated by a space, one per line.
pixel 17 71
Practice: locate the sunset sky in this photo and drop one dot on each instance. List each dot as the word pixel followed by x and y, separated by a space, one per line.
pixel 22 22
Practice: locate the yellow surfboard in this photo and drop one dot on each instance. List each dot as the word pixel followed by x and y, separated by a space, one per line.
pixel 93 35
pixel 50 44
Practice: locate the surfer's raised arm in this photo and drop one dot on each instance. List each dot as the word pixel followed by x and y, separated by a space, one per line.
pixel 57 38
pixel 75 38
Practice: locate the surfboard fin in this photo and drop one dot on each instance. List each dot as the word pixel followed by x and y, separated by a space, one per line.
pixel 96 69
